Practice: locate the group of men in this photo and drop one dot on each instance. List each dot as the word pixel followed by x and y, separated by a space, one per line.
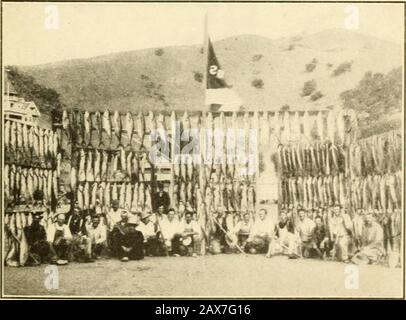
pixel 130 235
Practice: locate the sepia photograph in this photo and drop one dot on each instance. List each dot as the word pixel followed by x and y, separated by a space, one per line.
pixel 202 150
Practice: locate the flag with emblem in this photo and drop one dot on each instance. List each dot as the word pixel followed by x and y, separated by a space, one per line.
pixel 219 95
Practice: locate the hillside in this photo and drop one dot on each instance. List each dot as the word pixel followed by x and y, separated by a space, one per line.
pixel 168 78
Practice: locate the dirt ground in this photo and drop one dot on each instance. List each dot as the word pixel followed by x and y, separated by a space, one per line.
pixel 208 276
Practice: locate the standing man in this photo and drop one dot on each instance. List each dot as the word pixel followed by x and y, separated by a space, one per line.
pixel 59 238
pixel 161 198
pixel 36 236
pixel 261 234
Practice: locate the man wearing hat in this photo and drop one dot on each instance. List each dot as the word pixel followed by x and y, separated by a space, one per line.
pixel 161 198
pixel 114 215
pixel 36 236
pixel 127 241
pixel 59 238
pixel 149 232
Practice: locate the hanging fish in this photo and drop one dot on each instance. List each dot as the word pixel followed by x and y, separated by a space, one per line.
pixel 141 196
pixel 73 178
pixel 140 127
pixel 55 184
pixel 104 166
pixel 117 126
pixel 391 184
pixel 98 126
pixel 6 180
pixel 306 126
pixel 97 161
pixel 134 202
pixel 128 195
pixel 129 164
pixel 100 193
pixel 49 184
pixel 340 124
pixel 121 198
pixel 123 159
pixel 107 196
pixel 86 195
pixel 106 125
pixel 135 167
pixel 82 166
pixel 89 167
pixel 7 134
pixel 88 128
pixel 65 120
pixel 80 197
pixel 93 197
pixel 129 127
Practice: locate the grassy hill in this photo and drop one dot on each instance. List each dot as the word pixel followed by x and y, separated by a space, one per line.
pixel 267 74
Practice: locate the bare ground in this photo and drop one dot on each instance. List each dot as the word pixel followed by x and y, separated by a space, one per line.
pixel 209 276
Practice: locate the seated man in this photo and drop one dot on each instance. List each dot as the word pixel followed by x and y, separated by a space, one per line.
pixel 321 239
pixel 37 240
pixel 59 238
pixel 242 230
pixel 261 234
pixel 170 230
pixel 97 234
pixel 305 227
pixel 81 247
pixel 127 241
pixel 372 248
pixel 149 231
pixel 217 236
pixel 286 241
pixel 190 236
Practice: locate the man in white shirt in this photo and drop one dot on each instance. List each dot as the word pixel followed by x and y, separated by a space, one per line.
pixel 170 230
pixel 114 215
pixel 97 233
pixel 305 227
pixel 148 229
pixel 341 228
pixel 59 238
pixel 242 229
pixel 261 234
pixel 191 236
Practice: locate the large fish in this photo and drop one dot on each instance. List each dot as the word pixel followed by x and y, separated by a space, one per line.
pixel 106 125
pixel 140 127
pixel 121 197
pixel 23 246
pixel 104 166
pixel 141 196
pixel 135 167
pixel 129 127
pixel 98 126
pixel 25 138
pixel 114 192
pixel 49 183
pixel 36 143
pixel 93 200
pixel 117 126
pixel 80 127
pixel 88 127
pixel 374 182
pixel 7 134
pixel 128 196
pixel 307 126
pixel 6 179
pixel 55 144
pixel 123 159
pixel 55 184
pixel 80 197
pixel 129 164
pixel 107 196
pixel 148 199
pixel 31 139
pixel 391 183
pixel 82 166
pixel 86 196
pixel 65 120
pixel 89 167
pixel 73 178
pixel 97 161
pixel 134 202
pixel 342 190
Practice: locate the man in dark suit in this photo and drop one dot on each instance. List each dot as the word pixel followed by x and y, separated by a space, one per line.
pixel 161 199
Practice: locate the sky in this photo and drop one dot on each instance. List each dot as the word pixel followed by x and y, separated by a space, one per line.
pixel 37 33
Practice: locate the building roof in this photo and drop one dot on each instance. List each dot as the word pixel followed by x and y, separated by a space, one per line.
pixel 22 107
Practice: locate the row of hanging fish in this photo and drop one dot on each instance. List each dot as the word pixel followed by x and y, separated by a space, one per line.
pixel 312 159
pixel 377 154
pixel 373 191
pixel 100 195
pixel 24 142
pixel 102 165
pixel 382 192
pixel 20 183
